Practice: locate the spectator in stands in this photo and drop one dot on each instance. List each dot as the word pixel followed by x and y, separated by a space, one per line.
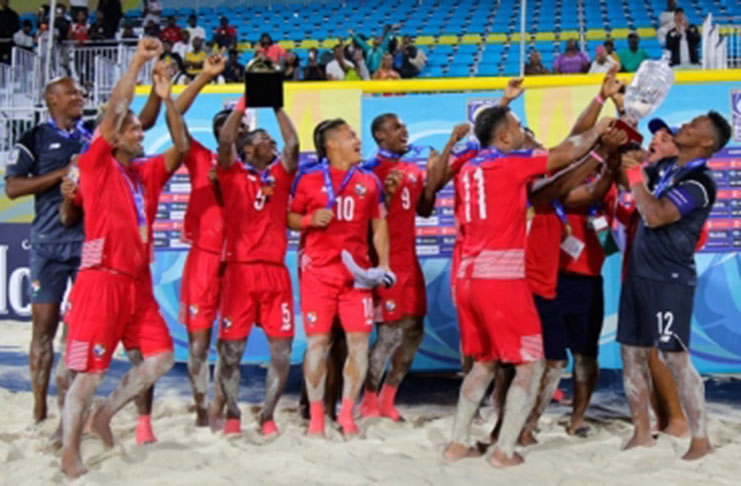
pixel 127 32
pixel 62 23
pixel 291 67
pixel 151 29
pixel 338 68
pixel 374 54
pixel 610 49
pixel 411 60
pixel 171 32
pixel 173 59
pixel 683 40
pixel 361 70
pixel 225 35
pixel 632 57
pixel 272 51
pixel 571 61
pixel 193 29
pixel 23 37
pixel 153 11
pixel 76 6
pixel 602 62
pixel 234 71
pixel 666 22
pixel 184 46
pixel 79 30
pixel 386 69
pixel 314 71
pixel 535 66
pixel 194 59
pixel 97 31
pixel 113 14
pixel 9 24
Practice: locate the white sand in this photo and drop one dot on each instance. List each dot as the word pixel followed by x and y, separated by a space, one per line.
pixel 406 453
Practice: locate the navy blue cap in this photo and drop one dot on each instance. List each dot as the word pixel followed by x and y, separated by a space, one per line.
pixel 657 124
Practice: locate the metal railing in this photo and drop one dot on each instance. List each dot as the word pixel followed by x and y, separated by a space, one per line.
pixel 83 57
pixel 14 121
pixel 107 72
pixel 26 78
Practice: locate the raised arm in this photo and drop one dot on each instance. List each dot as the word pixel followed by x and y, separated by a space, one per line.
pixel 290 140
pixel 120 100
pixel 576 146
pixel 513 91
pixel 441 172
pixel 150 112
pixel 426 203
pixel 656 212
pixel 588 117
pixel 212 67
pixel 175 123
pixel 228 135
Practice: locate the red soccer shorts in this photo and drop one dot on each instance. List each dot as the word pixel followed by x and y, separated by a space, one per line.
pixel 256 293
pixel 406 298
pixel 498 321
pixel 106 308
pixel 200 289
pixel 322 301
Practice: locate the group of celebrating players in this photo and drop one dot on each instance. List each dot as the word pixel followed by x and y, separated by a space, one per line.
pixel 532 225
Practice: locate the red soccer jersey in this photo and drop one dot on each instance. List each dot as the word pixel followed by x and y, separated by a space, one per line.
pixel 461 153
pixel 255 210
pixel 541 255
pixel 402 209
pixel 172 35
pixel 592 256
pixel 203 224
pixel 357 203
pixel 113 224
pixel 492 188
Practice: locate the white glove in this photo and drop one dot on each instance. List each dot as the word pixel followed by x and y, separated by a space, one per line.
pixel 367 278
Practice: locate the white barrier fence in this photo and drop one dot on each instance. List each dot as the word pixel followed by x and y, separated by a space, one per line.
pixel 14 121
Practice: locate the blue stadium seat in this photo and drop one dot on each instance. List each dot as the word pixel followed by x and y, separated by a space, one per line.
pixel 459 71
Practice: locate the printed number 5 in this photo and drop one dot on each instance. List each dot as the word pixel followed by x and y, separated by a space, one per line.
pixel 665 321
pixel 285 311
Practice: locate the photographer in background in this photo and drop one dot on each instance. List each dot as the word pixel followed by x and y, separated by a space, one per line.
pixel 314 71
pixel 682 41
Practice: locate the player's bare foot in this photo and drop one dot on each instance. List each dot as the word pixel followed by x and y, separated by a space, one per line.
pixel 101 426
pixel 56 438
pixel 578 429
pixel 698 448
pixel 500 460
pixel 527 438
pixel 677 428
pixel 202 419
pixel 455 452
pixel 640 440
pixel 71 465
pixel 215 421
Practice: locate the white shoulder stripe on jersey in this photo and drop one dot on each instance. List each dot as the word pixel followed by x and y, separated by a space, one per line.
pixel 704 191
pixel 25 149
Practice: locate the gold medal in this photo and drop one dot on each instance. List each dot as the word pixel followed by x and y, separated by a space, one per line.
pixel 144 234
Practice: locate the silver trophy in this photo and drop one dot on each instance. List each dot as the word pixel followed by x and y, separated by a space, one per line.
pixel 649 88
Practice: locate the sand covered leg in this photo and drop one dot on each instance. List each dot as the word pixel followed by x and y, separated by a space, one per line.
pixel 636 384
pixel 228 376
pixel 315 376
pixel 144 402
pixel 353 374
pixel 199 343
pixel 388 340
pixel 472 391
pixel 586 374
pixel 45 317
pixel 79 397
pixel 692 394
pixel 412 333
pixel 548 384
pixel 665 398
pixel 275 381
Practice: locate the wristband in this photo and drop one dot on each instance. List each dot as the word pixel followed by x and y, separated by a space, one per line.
pixel 306 221
pixel 599 100
pixel 597 157
pixel 241 104
pixel 635 176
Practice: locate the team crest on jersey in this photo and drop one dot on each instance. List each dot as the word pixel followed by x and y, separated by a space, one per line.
pixel 311 317
pixel 193 310
pixel 412 179
pixel 390 305
pixel 36 287
pixel 226 323
pixel 13 157
pixel 99 351
pixel 252 178
pixel 360 189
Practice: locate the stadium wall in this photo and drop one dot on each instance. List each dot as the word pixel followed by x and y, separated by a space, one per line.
pixel 549 107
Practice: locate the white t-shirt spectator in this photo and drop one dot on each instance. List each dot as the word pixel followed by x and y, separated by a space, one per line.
pixel 181 48
pixel 595 67
pixel 196 31
pixel 335 71
pixel 78 3
pixel 21 39
pixel 666 23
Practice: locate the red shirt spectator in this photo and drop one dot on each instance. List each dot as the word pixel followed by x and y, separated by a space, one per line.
pixel 274 52
pixel 225 35
pixel 78 31
pixel 172 32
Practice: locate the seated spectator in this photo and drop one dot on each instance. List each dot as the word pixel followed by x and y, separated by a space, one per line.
pixel 194 59
pixel 152 11
pixel 98 31
pixel 571 61
pixel 683 40
pixel 184 46
pixel 171 32
pixel 151 29
pixel 225 35
pixel 76 6
pixel 78 31
pixel 374 54
pixel 632 57
pixel 314 71
pixel 609 46
pixel 412 59
pixel 234 71
pixel 602 62
pixel 10 23
pixel 666 22
pixel 173 59
pixel 291 67
pixel 193 29
pixel 386 69
pixel 23 37
pixel 272 51
pixel 338 68
pixel 535 66
pixel 127 32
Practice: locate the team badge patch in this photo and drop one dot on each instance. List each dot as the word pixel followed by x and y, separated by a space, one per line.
pixel 311 317
pixel 226 322
pixel 193 310
pixel 360 189
pixel 99 351
pixel 36 287
pixel 412 179
pixel 390 305
pixel 13 157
